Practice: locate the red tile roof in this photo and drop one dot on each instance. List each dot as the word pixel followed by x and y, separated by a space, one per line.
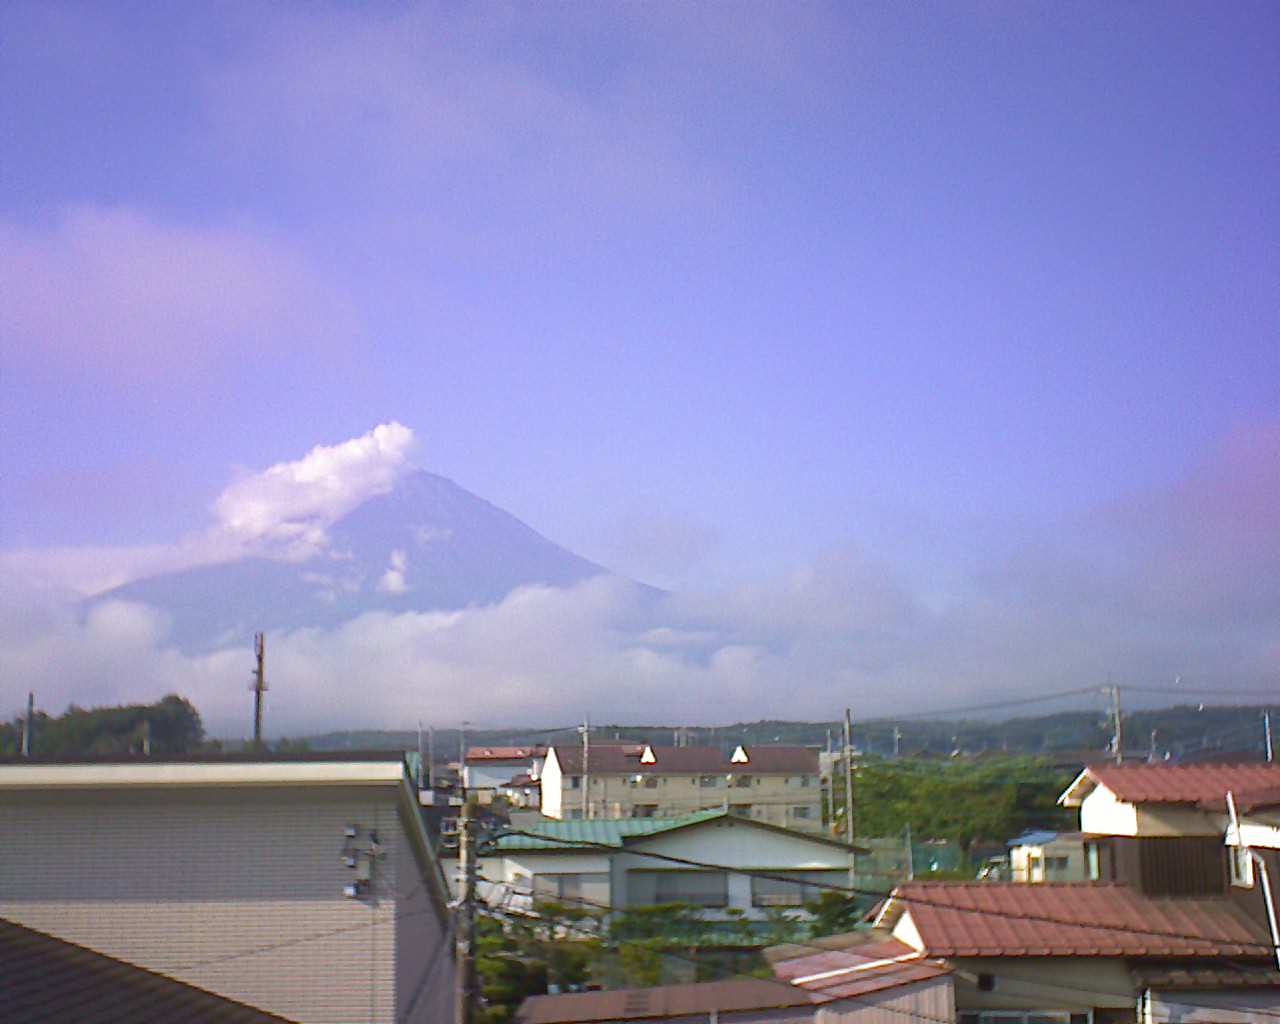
pixel 874 967
pixel 44 978
pixel 1182 783
pixel 1249 800
pixel 663 1001
pixel 625 760
pixel 1070 919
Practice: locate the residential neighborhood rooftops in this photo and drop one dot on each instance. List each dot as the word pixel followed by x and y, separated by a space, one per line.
pixel 45 978
pixel 1069 919
pixel 664 1001
pixel 1171 783
pixel 639 759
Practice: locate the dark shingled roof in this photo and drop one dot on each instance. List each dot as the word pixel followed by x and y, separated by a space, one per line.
pixel 46 979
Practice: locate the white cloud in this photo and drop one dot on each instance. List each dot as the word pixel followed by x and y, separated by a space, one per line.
pixel 293 502
pixel 281 512
pixel 393 581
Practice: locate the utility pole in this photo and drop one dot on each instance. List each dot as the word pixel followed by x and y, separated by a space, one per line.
pixel 848 792
pixel 586 768
pixel 897 741
pixel 29 721
pixel 1117 734
pixel 420 765
pixel 462 762
pixel 464 948
pixel 259 687
pixel 431 756
pixel 911 856
pixel 1151 753
pixel 1266 732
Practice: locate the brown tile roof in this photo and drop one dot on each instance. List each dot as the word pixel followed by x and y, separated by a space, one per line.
pixel 1208 977
pixel 625 760
pixel 1248 800
pixel 46 979
pixel 1071 919
pixel 873 967
pixel 663 1001
pixel 1182 783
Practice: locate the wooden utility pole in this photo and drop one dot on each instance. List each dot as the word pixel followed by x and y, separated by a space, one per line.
pixel 1266 733
pixel 848 793
pixel 464 947
pixel 27 724
pixel 586 768
pixel 1117 734
pixel 259 686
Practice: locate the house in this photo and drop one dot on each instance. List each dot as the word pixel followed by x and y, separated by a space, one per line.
pixel 488 770
pixel 302 886
pixel 1160 827
pixel 777 785
pixel 1079 952
pixel 1041 856
pixel 632 862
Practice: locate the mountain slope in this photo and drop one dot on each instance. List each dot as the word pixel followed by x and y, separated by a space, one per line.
pixel 428 544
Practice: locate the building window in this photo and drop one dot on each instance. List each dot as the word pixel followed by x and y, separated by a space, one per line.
pixel 651 782
pixel 1241 866
pixel 644 810
pixel 742 781
pixel 741 810
pixel 710 781
pixel 578 888
pixel 1092 857
pixel 792 888
pixel 1026 1016
pixel 698 888
pixel 803 811
pixel 574 782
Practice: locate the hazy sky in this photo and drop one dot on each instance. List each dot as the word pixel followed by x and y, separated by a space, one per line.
pixel 983 296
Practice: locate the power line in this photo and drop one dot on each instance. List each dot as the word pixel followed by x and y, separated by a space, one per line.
pixel 992 706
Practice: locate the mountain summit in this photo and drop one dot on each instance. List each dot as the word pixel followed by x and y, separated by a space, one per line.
pixel 426 545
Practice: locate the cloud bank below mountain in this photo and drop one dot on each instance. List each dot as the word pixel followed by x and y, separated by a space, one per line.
pixel 1183 581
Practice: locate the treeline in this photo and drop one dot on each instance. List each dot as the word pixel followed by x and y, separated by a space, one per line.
pixel 1183 732
pixel 169 726
pixel 967 801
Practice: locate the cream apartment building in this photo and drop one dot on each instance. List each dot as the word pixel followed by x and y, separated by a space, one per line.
pixel 776 785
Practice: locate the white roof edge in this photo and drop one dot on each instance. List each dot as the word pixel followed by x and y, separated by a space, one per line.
pixel 99 776
pixel 1081 786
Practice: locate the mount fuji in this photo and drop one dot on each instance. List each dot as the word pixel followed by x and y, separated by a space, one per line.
pixel 425 545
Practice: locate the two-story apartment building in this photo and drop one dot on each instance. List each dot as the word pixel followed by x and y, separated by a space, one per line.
pixel 778 785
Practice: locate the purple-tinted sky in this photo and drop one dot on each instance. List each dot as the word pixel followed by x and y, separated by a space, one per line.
pixel 984 295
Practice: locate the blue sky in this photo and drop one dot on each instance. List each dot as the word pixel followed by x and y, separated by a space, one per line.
pixel 709 293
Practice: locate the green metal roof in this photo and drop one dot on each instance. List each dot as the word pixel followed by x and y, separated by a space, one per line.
pixel 569 835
